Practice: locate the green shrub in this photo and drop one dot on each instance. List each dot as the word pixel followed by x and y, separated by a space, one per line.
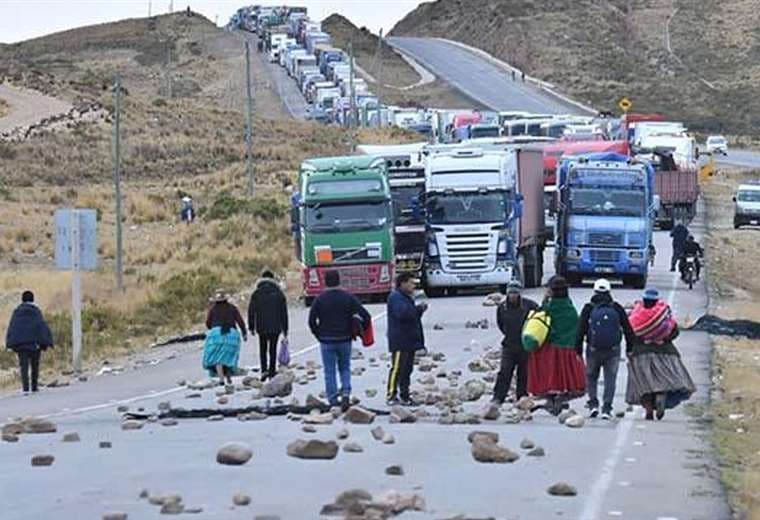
pixel 226 205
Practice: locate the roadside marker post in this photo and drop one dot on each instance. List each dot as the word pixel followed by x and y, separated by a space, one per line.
pixel 76 250
pixel 625 104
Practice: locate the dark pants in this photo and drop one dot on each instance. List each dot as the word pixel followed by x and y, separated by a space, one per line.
pixel 400 375
pixel 268 350
pixel 512 358
pixel 606 361
pixel 29 359
pixel 676 255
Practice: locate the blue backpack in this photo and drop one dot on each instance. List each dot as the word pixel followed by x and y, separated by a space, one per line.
pixel 605 331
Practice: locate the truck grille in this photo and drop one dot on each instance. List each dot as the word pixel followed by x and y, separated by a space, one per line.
pixel 604 256
pixel 355 277
pixel 468 252
pixel 605 239
pixel 407 243
pixel 351 255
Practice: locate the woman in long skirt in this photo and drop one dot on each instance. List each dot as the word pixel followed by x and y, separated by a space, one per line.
pixel 555 371
pixel 657 378
pixel 221 351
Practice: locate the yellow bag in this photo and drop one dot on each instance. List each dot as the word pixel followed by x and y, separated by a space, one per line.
pixel 535 332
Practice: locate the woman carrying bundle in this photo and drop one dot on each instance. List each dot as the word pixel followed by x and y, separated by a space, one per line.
pixel 657 378
pixel 221 351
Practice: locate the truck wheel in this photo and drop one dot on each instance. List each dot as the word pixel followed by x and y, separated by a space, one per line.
pixel 737 225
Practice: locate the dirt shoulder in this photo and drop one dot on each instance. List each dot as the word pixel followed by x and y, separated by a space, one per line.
pixel 20 107
pixel 735 293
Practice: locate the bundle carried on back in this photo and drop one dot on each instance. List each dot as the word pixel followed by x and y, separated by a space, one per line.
pixel 536 330
pixel 653 325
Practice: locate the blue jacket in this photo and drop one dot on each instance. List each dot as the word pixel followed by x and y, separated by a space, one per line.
pixel 28 330
pixel 404 323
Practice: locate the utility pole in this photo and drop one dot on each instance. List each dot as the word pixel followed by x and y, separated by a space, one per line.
pixel 150 8
pixel 117 179
pixel 171 6
pixel 352 120
pixel 249 118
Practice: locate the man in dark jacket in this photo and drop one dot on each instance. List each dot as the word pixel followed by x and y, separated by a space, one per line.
pixel 602 325
pixel 691 248
pixel 510 316
pixel 679 234
pixel 28 335
pixel 331 320
pixel 405 337
pixel 268 316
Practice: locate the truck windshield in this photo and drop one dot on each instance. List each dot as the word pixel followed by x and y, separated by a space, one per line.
pixel 749 196
pixel 349 216
pixel 608 202
pixel 403 214
pixel 467 208
pixel 484 132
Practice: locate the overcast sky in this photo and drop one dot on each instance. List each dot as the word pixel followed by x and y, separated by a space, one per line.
pixel 24 19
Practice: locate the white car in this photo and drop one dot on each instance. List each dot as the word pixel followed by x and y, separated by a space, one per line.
pixel 716 144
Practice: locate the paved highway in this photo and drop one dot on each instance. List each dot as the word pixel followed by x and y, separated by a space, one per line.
pixel 741 158
pixel 626 468
pixel 479 79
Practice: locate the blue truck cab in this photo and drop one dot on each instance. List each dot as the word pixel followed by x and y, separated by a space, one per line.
pixel 604 218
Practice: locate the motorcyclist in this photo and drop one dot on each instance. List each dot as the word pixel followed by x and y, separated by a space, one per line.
pixel 679 234
pixel 691 248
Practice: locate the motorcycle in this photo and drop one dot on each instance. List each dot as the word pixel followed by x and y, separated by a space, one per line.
pixel 689 271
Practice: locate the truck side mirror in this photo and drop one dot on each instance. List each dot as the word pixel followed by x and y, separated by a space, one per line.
pixel 733 198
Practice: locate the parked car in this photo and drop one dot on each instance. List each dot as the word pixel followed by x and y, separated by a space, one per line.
pixel 747 205
pixel 717 144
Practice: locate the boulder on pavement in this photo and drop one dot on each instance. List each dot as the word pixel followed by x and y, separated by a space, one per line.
pixel 399 414
pixel 234 454
pixel 394 471
pixel 388 438
pixel 35 425
pixel 173 508
pixel 478 365
pixel 320 418
pixel 241 499
pixel 342 434
pixel 352 447
pixel 575 421
pixel 538 451
pixel 394 503
pixel 223 400
pixel 216 418
pixel 527 444
pixel 131 425
pixel 472 390
pixel 313 449
pixel 525 404
pixel 378 433
pixel 280 385
pixel 562 489
pixel 492 412
pixel 14 428
pixel 115 516
pixel 104 445
pixel 359 415
pixel 490 452
pixel 565 415
pixel 43 460
pixel 309 428
pixel 482 436
pixel 71 437
pixel 315 402
pixel 169 422
pixel 10 437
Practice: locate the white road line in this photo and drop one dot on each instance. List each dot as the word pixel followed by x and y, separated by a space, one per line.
pixel 154 394
pixel 601 485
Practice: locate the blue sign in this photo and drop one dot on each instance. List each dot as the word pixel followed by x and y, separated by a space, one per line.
pixel 84 224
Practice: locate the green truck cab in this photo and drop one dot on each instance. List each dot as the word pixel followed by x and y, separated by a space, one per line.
pixel 344 222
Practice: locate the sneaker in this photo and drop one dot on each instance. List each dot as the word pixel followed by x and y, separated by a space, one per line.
pixel 594 413
pixel 409 402
pixel 659 404
pixel 345 404
pixel 606 416
pixel 393 401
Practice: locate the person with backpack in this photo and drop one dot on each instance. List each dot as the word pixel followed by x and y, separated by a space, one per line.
pixel 405 338
pixel 268 316
pixel 602 325
pixel 510 317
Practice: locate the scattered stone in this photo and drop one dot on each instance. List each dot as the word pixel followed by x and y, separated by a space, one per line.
pixel 115 516
pixel 437 326
pixel 163 500
pixel 490 452
pixel 399 414
pixel 193 395
pixel 352 447
pixel 215 418
pixel 223 400
pixel 253 416
pixel 342 434
pixel 193 510
pixel 562 489
pixel 164 406
pixel 280 385
pixel 359 415
pixel 122 408
pixel 482 436
pixel 565 415
pixel 575 421
pixel 35 425
pixel 252 382
pixel 241 499
pixel 525 404
pixel 319 418
pixel 234 454
pixel 173 508
pixel 493 299
pixel 105 445
pixel 394 471
pixel 393 503
pixel 378 433
pixel 313 449
pixel 144 494
pixel 478 365
pixel 308 428
pixel 182 382
pixel 472 390
pixel 527 444
pixel 230 389
pixel 492 412
pixel 13 428
pixel 370 393
pixel 315 402
pixel 388 438
pixel 620 414
pixel 42 460
pixel 538 451
pixel 71 437
pixel 131 425
pixel 169 422
pixel 10 437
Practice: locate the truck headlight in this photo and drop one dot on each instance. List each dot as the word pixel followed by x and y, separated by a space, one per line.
pixel 432 247
pixel 574 254
pixel 385 274
pixel 636 255
pixel 313 278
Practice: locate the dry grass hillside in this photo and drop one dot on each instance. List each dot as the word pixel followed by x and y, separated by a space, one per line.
pixel 187 140
pixel 390 70
pixel 599 51
pixel 3 107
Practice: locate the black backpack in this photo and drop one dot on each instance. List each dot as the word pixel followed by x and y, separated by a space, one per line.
pixel 604 328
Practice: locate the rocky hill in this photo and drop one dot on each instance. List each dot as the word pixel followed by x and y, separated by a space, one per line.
pixel 696 61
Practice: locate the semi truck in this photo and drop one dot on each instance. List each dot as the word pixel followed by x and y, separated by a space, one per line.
pixel 604 218
pixel 485 218
pixel 345 223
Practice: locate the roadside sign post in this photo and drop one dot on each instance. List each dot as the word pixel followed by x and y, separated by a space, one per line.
pixel 76 251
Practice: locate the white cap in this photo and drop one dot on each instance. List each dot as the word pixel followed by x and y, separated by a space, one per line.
pixel 602 285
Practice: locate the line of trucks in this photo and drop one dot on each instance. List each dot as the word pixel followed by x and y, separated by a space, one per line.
pixel 481 212
pixel 322 71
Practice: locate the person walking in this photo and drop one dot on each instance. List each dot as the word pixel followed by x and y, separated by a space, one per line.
pixel 28 335
pixel 331 320
pixel 657 378
pixel 679 234
pixel 268 316
pixel 602 325
pixel 555 371
pixel 405 337
pixel 510 317
pixel 221 351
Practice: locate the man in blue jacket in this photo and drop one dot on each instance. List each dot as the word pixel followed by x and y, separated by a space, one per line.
pixel 28 335
pixel 405 337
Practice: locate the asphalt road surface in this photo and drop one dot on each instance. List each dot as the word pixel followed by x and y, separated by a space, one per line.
pixel 626 468
pixel 740 158
pixel 479 79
